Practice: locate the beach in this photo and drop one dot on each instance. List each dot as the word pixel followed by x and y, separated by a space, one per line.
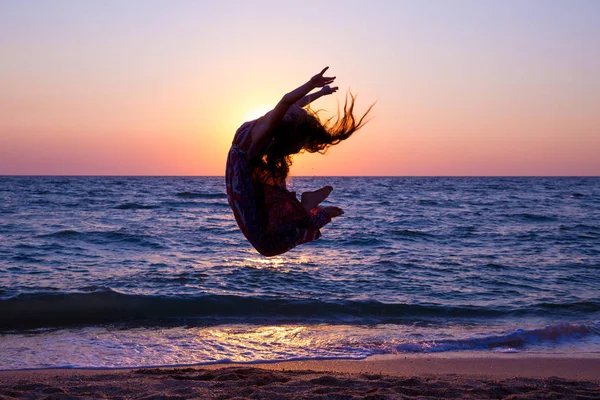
pixel 501 376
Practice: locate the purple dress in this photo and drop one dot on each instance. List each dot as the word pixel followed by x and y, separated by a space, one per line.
pixel 271 217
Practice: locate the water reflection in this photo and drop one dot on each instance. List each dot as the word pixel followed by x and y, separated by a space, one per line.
pixel 112 346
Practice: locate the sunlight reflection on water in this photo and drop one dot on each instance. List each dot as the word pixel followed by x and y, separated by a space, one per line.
pixel 127 347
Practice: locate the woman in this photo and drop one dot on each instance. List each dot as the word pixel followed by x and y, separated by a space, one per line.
pixel 271 217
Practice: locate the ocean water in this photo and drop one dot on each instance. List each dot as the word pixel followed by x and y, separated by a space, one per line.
pixel 146 271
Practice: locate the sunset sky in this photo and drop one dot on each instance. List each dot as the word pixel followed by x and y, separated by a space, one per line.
pixel 159 87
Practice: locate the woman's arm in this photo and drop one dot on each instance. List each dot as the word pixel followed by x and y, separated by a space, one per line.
pixel 309 98
pixel 262 131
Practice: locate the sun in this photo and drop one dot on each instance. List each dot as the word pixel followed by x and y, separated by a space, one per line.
pixel 256 112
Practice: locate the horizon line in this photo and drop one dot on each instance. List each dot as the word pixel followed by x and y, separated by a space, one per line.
pixel 300 176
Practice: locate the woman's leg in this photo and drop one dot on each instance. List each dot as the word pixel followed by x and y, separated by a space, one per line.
pixel 310 200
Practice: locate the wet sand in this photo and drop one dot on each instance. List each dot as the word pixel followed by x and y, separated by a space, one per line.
pixel 453 376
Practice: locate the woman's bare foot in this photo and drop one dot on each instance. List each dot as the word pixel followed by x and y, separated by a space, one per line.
pixel 333 211
pixel 310 200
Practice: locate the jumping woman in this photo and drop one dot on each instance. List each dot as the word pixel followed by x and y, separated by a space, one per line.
pixel 270 216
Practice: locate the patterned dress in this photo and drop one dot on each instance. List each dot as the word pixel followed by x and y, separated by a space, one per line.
pixel 271 217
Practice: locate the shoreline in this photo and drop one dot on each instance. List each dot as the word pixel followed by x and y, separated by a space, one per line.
pixel 577 367
pixel 380 377
pixel 480 363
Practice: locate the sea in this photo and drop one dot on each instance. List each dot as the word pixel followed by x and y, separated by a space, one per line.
pixel 114 272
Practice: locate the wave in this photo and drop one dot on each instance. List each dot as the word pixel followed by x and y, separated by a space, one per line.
pixel 363 241
pixel 534 217
pixel 580 231
pixel 201 195
pixel 579 227
pixel 424 202
pixel 516 339
pixel 134 206
pixel 106 237
pixel 101 305
pixel 411 233
pixel 62 234
pixel 195 204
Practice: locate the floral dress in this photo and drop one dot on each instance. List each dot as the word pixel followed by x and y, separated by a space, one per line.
pixel 270 216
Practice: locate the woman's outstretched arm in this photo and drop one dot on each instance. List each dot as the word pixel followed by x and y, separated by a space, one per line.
pixel 309 98
pixel 261 133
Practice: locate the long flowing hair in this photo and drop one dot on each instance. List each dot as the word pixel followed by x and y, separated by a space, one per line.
pixel 305 131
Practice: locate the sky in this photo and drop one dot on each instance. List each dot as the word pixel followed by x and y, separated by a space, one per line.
pixel 468 88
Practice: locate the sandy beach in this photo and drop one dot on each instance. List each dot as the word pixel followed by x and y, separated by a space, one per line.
pixel 452 376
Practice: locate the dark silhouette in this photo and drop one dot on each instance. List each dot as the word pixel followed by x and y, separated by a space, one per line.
pixel 271 217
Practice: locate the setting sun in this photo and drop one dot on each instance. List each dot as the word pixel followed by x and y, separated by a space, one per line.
pixel 256 112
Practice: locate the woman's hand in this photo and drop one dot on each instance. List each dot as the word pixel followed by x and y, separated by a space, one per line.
pixel 319 80
pixel 328 90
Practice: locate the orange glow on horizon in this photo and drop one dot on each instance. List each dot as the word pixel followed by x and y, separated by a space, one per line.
pixel 461 94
